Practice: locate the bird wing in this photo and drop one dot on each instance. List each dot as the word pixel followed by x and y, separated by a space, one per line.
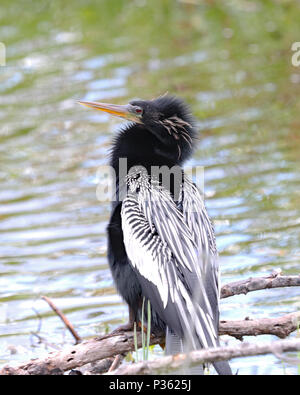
pixel 174 267
pixel 198 221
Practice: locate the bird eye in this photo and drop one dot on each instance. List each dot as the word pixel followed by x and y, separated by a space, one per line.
pixel 138 110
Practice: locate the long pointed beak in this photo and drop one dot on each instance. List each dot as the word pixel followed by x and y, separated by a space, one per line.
pixel 124 111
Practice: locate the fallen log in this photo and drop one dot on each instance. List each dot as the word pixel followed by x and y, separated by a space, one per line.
pixel 92 350
pixel 109 346
pixel 172 363
pixel 72 357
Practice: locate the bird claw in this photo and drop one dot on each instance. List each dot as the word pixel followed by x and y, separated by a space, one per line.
pixel 123 328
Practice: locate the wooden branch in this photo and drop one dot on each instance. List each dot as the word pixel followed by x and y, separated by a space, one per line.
pixel 172 363
pixel 275 280
pixel 279 326
pixel 80 354
pixel 115 363
pixel 111 345
pixel 102 366
pixel 64 319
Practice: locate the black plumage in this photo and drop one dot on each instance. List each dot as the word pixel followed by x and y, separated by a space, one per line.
pixel 161 243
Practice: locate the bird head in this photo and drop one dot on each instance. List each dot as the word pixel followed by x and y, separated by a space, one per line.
pixel 167 117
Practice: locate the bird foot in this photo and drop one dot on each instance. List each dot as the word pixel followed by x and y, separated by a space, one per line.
pixel 128 328
pixel 123 328
pixel 140 327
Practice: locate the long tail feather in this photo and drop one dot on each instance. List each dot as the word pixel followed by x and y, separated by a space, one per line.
pixel 223 368
pixel 175 345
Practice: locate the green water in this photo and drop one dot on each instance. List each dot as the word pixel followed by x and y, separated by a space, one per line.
pixel 232 62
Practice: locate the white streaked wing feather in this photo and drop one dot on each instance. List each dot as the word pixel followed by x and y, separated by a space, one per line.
pixel 147 261
pixel 196 217
pixel 175 248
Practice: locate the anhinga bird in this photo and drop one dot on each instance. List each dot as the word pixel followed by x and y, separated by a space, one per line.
pixel 161 244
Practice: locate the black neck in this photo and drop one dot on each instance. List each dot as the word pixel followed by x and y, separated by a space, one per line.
pixel 141 148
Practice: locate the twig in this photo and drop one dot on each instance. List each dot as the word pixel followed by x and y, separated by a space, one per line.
pixel 115 363
pixel 275 280
pixel 64 319
pixel 172 363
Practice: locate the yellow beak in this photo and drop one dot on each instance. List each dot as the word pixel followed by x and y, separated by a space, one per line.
pixel 123 111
